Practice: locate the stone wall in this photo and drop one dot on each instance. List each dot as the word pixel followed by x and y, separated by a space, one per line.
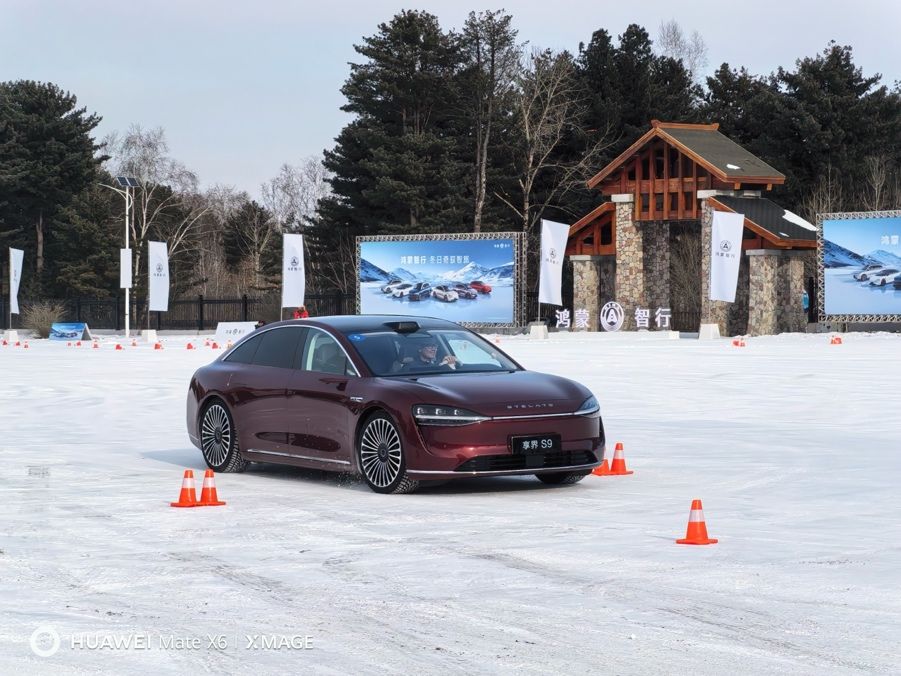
pixel 776 288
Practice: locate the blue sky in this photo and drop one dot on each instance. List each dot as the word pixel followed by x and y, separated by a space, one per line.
pixel 392 255
pixel 243 87
pixel 865 235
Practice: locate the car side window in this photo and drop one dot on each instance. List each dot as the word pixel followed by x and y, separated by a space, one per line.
pixel 243 353
pixel 323 354
pixel 277 347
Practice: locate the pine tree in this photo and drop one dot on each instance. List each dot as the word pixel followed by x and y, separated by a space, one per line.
pixel 47 157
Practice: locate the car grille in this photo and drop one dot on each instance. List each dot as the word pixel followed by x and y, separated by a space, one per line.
pixel 511 462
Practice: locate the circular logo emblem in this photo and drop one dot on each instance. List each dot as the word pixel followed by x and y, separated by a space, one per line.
pixel 612 316
pixel 44 641
pixel 159 268
pixel 553 255
pixel 726 246
pixel 294 261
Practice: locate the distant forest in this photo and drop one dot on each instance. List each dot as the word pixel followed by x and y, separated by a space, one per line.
pixel 467 130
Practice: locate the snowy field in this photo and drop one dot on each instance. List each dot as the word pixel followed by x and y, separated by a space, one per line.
pixel 793 444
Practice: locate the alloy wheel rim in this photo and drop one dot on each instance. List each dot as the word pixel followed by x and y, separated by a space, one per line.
pixel 380 452
pixel 215 435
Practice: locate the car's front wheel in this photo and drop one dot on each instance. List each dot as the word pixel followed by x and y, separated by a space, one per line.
pixel 562 478
pixel 219 439
pixel 380 455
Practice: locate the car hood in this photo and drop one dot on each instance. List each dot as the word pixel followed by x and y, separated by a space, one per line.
pixel 501 394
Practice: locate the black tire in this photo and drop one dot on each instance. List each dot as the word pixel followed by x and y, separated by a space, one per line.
pixel 562 478
pixel 380 456
pixel 219 439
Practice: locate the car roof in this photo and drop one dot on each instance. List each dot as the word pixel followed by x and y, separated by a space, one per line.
pixel 364 323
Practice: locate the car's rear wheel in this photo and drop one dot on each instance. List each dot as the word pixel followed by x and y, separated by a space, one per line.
pixel 562 478
pixel 219 439
pixel 380 455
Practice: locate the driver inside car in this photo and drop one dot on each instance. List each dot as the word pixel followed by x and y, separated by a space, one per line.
pixel 427 356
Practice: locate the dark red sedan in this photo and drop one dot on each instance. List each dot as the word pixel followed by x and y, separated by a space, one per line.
pixel 396 399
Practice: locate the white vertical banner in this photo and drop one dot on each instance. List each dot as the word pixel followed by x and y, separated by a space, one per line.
pixel 124 268
pixel 725 254
pixel 293 279
pixel 550 274
pixel 158 276
pixel 16 256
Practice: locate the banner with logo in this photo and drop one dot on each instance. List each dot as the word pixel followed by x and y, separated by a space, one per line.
pixel 725 254
pixel 124 268
pixel 233 331
pixel 293 280
pixel 16 256
pixel 158 272
pixel 550 274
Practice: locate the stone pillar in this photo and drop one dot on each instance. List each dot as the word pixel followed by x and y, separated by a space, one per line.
pixel 776 289
pixel 586 281
pixel 630 287
pixel 712 311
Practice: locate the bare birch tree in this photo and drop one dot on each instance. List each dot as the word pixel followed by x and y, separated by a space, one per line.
pixel 293 195
pixel 493 60
pixel 876 192
pixel 825 197
pixel 168 204
pixel 549 105
pixel 692 51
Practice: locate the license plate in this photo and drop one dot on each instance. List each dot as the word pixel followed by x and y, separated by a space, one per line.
pixel 538 443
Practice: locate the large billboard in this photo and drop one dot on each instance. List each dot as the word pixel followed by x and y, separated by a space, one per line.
pixel 470 279
pixel 860 266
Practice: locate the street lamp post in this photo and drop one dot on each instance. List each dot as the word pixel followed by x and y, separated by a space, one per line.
pixel 129 183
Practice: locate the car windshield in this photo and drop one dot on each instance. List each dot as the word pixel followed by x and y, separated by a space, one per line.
pixel 436 351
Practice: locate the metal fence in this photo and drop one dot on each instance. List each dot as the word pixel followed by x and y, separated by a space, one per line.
pixel 200 313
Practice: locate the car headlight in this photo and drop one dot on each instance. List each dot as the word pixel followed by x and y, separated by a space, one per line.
pixel 589 407
pixel 428 414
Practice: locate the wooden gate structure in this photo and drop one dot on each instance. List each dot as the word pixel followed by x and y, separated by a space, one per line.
pixel 665 187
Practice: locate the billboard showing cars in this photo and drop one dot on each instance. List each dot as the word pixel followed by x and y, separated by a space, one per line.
pixel 471 279
pixel 860 258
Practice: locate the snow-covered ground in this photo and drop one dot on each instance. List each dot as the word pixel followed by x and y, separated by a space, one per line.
pixel 793 444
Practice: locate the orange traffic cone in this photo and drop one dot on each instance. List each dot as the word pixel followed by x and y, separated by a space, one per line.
pixel 118 347
pixel 157 346
pixel 601 470
pixel 618 467
pixel 18 343
pixel 134 343
pixel 215 346
pixel 697 528
pixel 69 344
pixel 229 346
pixel 25 346
pixel 189 346
pixel 78 344
pixel 836 340
pixel 206 343
pixel 208 496
pixel 188 495
pixel 96 345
